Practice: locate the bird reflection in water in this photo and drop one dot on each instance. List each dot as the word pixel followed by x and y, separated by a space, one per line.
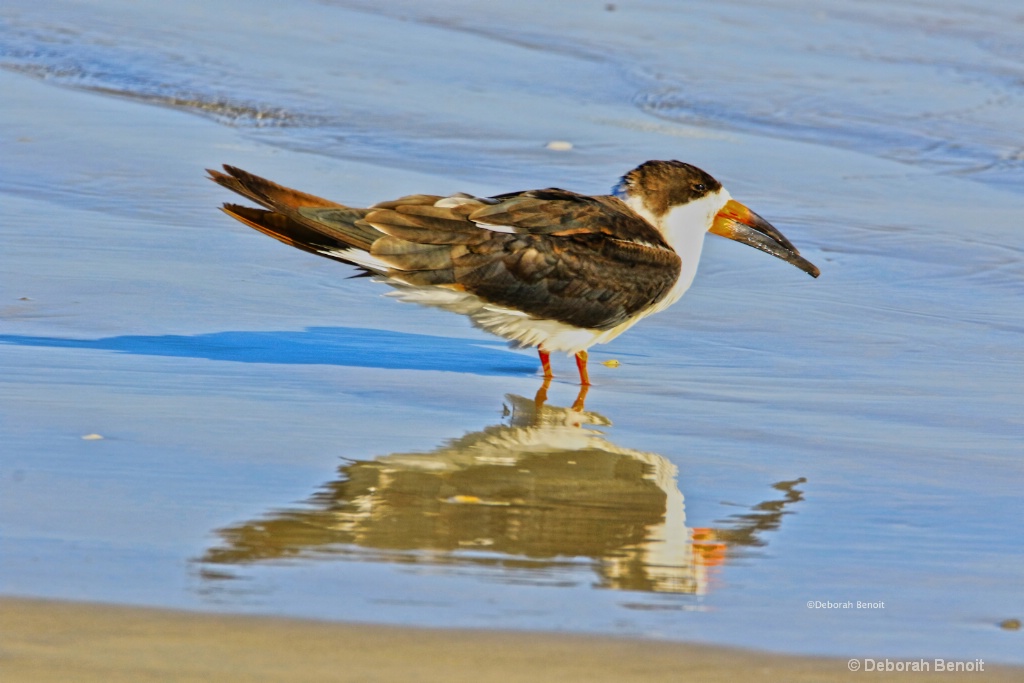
pixel 540 491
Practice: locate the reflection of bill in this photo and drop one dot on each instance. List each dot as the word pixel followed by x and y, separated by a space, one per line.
pixel 529 496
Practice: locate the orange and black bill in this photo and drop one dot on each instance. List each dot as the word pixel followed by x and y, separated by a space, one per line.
pixel 739 223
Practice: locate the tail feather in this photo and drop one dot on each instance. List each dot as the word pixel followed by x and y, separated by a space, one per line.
pixel 284 229
pixel 266 192
pixel 298 219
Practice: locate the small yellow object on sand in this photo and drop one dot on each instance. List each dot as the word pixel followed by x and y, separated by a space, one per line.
pixel 92 437
pixel 611 363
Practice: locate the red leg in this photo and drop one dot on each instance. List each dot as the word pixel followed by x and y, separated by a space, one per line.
pixel 545 362
pixel 581 398
pixel 581 364
pixel 542 394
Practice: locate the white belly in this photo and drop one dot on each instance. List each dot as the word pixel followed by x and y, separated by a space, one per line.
pixel 520 328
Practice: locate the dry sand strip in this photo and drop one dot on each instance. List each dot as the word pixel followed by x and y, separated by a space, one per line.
pixel 43 641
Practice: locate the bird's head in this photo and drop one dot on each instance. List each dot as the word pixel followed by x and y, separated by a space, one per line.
pixel 684 203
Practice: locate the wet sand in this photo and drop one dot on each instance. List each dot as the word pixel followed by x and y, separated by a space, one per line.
pixel 62 641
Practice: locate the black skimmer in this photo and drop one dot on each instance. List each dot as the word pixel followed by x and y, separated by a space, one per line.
pixel 549 268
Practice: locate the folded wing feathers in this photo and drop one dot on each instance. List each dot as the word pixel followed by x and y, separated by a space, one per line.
pixel 422 242
pixel 428 225
pixel 404 255
pixel 343 223
pixel 409 200
pixel 562 213
pixel 586 261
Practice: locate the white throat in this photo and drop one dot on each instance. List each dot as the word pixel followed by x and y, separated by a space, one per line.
pixel 684 227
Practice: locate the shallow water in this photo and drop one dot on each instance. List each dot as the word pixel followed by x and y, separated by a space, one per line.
pixel 279 439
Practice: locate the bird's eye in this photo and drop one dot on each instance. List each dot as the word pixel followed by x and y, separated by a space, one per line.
pixel 700 187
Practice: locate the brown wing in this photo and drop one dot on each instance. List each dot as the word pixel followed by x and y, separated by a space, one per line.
pixel 559 212
pixel 585 261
